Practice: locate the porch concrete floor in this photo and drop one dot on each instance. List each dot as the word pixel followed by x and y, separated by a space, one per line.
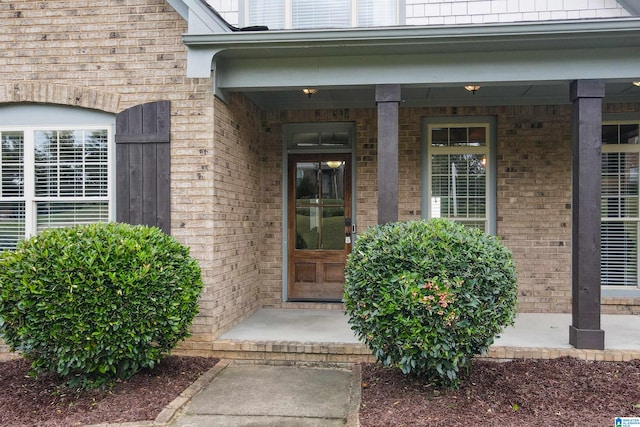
pixel 542 330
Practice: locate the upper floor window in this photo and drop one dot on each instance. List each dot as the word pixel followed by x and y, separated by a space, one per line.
pixel 310 14
pixel 52 174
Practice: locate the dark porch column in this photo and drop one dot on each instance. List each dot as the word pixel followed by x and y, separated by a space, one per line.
pixel 387 99
pixel 585 331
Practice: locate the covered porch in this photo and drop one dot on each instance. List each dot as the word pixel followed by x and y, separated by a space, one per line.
pixel 557 75
pixel 323 337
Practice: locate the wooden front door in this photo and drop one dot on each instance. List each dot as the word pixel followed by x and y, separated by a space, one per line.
pixel 319 225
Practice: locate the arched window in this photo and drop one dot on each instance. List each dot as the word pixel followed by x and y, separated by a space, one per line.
pixel 55 168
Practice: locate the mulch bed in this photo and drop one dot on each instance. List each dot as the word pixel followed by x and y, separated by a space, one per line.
pixel 559 392
pixel 44 402
pixel 564 391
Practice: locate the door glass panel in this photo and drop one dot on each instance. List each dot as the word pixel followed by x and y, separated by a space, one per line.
pixel 320 205
pixel 307 227
pixel 333 231
pixel 305 139
pixel 307 182
pixel 333 182
pixel 335 139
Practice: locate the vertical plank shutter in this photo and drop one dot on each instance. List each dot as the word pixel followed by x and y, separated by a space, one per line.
pixel 143 165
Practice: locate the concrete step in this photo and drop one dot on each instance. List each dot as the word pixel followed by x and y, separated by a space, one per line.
pixel 292 352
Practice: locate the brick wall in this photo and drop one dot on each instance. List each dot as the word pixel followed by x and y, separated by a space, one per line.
pixel 534 202
pixel 116 54
pixel 236 207
pixel 533 192
pixel 227 158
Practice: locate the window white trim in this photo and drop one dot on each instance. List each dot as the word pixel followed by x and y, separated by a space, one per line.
pixel 488 151
pixel 617 277
pixel 30 198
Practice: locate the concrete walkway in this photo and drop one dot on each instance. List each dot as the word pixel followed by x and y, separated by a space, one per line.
pixel 234 395
pixel 278 396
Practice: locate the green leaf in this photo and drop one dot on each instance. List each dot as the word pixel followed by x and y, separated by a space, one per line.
pixel 78 300
pixel 426 296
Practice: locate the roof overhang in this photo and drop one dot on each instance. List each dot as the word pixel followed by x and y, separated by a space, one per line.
pixel 200 17
pixel 631 6
pixel 521 54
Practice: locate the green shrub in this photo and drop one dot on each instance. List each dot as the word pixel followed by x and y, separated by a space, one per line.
pixel 426 296
pixel 97 302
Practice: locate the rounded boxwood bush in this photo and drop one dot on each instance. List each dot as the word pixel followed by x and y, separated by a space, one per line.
pixel 97 302
pixel 426 296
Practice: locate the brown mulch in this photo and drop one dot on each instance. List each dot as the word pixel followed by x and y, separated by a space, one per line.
pixel 566 392
pixel 44 402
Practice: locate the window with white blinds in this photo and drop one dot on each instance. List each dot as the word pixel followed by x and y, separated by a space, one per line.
pixel 458 169
pixel 310 14
pixel 376 13
pixel 266 12
pixel 620 217
pixel 52 178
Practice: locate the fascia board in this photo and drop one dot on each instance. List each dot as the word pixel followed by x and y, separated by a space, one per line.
pixel 217 48
pixel 180 7
pixel 444 69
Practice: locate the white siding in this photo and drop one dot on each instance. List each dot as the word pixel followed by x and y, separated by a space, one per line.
pixel 452 12
pixel 228 9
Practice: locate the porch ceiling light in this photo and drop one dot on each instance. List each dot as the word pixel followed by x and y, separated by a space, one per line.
pixel 472 88
pixel 636 83
pixel 309 91
pixel 334 164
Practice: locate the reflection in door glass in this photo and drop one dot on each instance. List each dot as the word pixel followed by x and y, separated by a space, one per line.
pixel 334 139
pixel 305 139
pixel 320 205
pixel 333 233
pixel 307 181
pixel 307 228
pixel 333 182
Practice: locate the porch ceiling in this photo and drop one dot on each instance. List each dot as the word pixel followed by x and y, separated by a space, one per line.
pixel 545 93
